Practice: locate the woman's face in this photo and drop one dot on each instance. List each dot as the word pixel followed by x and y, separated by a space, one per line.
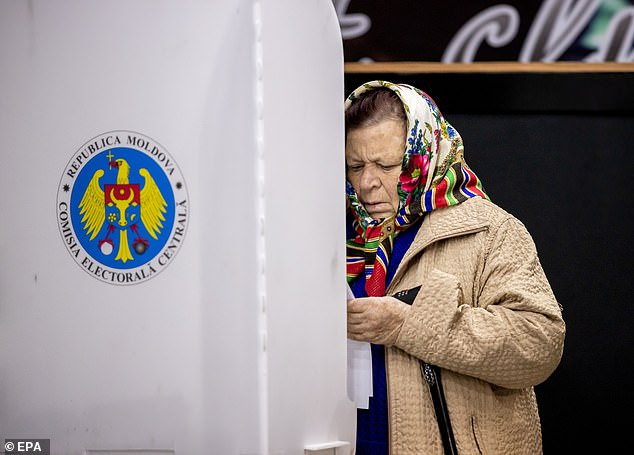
pixel 374 156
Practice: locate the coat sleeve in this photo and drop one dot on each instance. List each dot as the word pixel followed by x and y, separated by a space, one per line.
pixel 513 333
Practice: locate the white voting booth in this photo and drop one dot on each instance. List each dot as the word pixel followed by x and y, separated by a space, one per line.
pixel 171 245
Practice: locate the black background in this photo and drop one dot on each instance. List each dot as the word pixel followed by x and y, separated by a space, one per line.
pixel 556 151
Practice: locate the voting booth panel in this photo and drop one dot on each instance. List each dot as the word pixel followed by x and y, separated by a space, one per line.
pixel 171 246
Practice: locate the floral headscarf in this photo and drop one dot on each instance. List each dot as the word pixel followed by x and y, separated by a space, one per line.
pixel 434 175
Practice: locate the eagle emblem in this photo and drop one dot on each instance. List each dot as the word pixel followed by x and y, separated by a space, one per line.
pixel 123 208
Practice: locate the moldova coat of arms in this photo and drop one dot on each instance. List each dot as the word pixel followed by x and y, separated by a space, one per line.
pixel 122 207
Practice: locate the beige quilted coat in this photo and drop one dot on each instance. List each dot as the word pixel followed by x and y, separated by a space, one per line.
pixel 487 316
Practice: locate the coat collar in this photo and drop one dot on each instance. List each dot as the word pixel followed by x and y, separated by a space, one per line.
pixel 446 222
pixel 464 218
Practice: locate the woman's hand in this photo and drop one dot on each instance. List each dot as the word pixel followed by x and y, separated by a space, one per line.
pixel 376 319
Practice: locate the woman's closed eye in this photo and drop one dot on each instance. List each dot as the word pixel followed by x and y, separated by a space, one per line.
pixel 389 167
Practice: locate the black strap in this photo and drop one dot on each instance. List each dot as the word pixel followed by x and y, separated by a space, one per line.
pixel 431 373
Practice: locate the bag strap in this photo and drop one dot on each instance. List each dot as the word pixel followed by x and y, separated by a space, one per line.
pixel 431 373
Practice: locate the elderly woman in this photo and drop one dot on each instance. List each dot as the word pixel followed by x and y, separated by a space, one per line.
pixel 449 289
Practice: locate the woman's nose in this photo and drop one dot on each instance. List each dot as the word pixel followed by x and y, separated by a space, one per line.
pixel 369 178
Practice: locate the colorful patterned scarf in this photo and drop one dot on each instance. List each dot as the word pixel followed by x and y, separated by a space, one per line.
pixel 434 175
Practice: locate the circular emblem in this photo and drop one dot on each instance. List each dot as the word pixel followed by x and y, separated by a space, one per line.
pixel 122 207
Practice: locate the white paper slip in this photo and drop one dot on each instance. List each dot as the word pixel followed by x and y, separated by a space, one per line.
pixel 350 294
pixel 359 373
pixel 359 370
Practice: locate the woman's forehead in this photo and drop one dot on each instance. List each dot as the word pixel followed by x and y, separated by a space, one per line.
pixel 385 139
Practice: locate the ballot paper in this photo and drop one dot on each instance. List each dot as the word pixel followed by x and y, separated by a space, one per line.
pixel 359 370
